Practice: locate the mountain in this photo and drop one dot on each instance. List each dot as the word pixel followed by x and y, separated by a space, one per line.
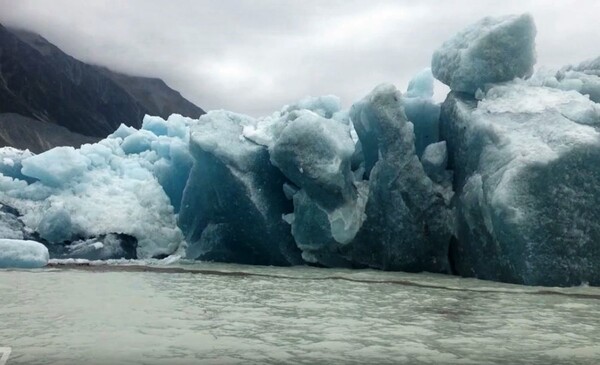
pixel 37 136
pixel 154 95
pixel 41 83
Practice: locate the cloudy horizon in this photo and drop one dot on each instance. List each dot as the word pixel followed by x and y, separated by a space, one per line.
pixel 253 58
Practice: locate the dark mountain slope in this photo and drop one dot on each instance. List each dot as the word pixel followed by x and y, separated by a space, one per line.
pixel 39 81
pixel 154 95
pixel 56 88
pixel 37 136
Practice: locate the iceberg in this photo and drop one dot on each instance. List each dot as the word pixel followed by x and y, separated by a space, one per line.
pixel 22 254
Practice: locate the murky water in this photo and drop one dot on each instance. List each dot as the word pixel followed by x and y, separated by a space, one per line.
pixel 233 314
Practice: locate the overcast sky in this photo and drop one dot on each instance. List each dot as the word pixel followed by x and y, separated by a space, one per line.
pixel 255 56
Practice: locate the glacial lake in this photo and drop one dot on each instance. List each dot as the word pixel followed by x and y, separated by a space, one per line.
pixel 203 313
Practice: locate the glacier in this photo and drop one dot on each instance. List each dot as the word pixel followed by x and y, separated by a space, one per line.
pixel 498 182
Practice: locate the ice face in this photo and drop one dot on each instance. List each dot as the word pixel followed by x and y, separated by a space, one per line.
pixel 490 51
pixel 233 203
pixel 524 162
pixel 173 168
pixel 22 254
pixel 407 224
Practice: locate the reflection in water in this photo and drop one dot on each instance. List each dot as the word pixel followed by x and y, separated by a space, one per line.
pixel 263 315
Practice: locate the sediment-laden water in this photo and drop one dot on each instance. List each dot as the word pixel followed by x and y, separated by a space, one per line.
pixel 234 314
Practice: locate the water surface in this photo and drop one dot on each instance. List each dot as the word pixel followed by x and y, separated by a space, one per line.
pixel 234 314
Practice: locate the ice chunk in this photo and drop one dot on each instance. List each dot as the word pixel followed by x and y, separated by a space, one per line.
pixel 314 150
pixel 123 131
pixel 320 233
pixel 589 67
pixel 425 115
pixel 10 225
pixel 525 168
pixel 315 154
pixel 490 51
pixel 55 225
pixel 435 160
pixel 289 190
pixel 233 203
pixel 519 98
pixel 178 126
pixel 421 85
pixel 265 131
pixel 57 166
pixel 587 76
pixel 220 133
pixel 156 125
pixel 422 111
pixel 325 106
pixel 583 78
pixel 138 142
pixel 105 247
pixel 22 254
pixel 11 163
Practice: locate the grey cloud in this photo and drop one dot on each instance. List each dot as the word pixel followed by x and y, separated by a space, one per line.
pixel 255 56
